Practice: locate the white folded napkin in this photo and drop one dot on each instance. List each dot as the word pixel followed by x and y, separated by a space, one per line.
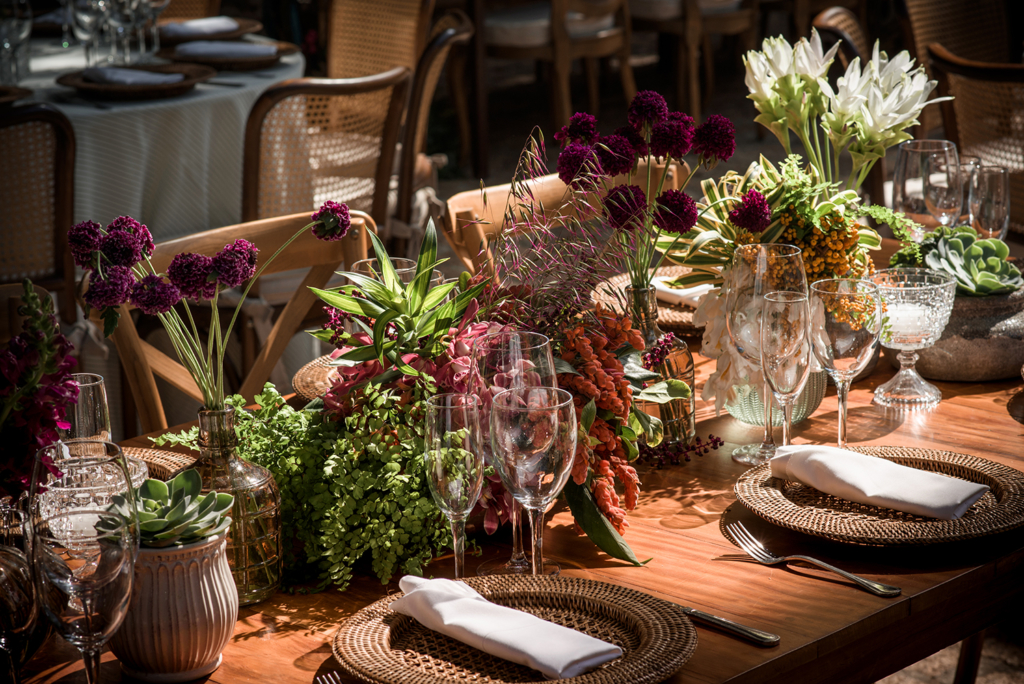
pixel 876 481
pixel 225 49
pixel 129 76
pixel 57 16
pixel 198 27
pixel 457 610
pixel 690 296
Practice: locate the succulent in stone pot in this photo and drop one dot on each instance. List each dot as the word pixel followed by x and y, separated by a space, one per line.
pixel 979 266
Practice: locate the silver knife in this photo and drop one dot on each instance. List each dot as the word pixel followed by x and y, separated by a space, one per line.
pixel 756 636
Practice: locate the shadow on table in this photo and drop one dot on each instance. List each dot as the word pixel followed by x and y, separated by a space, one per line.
pixel 863 424
pixel 1015 407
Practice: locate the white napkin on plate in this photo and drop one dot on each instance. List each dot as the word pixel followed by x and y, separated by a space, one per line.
pixel 129 76
pixel 225 49
pixel 199 27
pixel 457 610
pixel 689 296
pixel 876 481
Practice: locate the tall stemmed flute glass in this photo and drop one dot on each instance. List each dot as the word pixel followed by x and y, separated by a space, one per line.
pixel 757 270
pixel 533 440
pixel 786 350
pixel 501 361
pixel 454 462
pixel 846 319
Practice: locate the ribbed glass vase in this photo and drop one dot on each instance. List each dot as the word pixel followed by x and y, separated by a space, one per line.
pixel 254 538
pixel 748 407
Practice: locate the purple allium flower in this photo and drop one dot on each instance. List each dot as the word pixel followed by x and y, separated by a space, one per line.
pixel 624 205
pixel 141 232
pixel 615 155
pixel 153 295
pixel 121 248
pixel 676 213
pixel 634 138
pixel 647 109
pixel 673 136
pixel 236 263
pixel 113 289
pixel 753 214
pixel 84 239
pixel 582 128
pixel 714 140
pixel 332 221
pixel 574 162
pixel 190 273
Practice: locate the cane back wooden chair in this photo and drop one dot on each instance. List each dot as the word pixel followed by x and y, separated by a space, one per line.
pixel 142 362
pixel 984 117
pixel 183 10
pixel 37 195
pixel 366 37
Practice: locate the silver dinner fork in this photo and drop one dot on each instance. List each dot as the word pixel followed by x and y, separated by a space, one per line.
pixel 762 555
pixel 329 678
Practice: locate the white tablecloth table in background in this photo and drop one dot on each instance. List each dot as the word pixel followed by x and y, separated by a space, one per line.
pixel 175 164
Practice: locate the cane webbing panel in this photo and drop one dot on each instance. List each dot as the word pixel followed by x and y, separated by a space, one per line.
pixel 845 21
pixel 27 197
pixel 191 9
pixel 371 36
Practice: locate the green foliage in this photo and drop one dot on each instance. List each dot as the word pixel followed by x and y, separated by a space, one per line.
pixel 979 266
pixel 595 525
pixel 174 513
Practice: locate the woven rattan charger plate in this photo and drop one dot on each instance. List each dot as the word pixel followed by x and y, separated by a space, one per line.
pixel 313 379
pixel 234 63
pixel 798 507
pixel 245 27
pixel 380 646
pixel 194 73
pixel 671 317
pixel 163 465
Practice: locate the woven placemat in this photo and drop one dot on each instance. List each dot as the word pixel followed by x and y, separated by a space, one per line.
pixel 671 317
pixel 798 507
pixel 314 379
pixel 163 465
pixel 380 646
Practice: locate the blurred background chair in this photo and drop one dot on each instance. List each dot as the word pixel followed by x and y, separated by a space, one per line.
pixel 800 12
pixel 181 10
pixel 37 193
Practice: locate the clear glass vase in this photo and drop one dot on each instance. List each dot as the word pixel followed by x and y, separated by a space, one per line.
pixel 254 538
pixel 678 414
pixel 748 406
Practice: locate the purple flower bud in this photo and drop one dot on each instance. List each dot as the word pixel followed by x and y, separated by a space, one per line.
pixel 121 248
pixel 753 214
pixel 634 138
pixel 113 289
pixel 714 140
pixel 624 205
pixel 672 137
pixel 191 274
pixel 141 233
pixel 615 155
pixel 575 163
pixel 332 221
pixel 647 109
pixel 582 128
pixel 676 213
pixel 236 263
pixel 84 239
pixel 152 295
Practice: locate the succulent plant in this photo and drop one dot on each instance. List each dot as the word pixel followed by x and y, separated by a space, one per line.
pixel 174 513
pixel 979 266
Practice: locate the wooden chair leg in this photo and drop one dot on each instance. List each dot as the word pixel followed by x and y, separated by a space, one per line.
pixel 592 71
pixel 692 69
pixel 709 67
pixel 561 91
pixel 802 18
pixel 456 69
pixel 970 658
pixel 626 74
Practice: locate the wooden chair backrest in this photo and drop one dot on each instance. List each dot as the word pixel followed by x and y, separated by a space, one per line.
pixel 181 10
pixel 142 362
pixel 37 195
pixel 475 217
pixel 367 37
pixel 839 23
pixel 10 300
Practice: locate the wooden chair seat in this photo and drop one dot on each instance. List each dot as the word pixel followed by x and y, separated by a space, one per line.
pixel 530 26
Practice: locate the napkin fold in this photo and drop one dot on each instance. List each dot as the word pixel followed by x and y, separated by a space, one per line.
pixel 129 76
pixel 225 49
pixel 688 296
pixel 876 481
pixel 199 27
pixel 457 610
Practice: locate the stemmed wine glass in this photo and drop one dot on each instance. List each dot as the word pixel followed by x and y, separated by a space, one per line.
pixel 990 201
pixel 786 350
pixel 533 443
pixel 454 462
pixel 15 28
pixel 757 270
pixel 89 23
pixel 501 361
pixel 846 319
pixel 927 185
pixel 19 609
pixel 152 10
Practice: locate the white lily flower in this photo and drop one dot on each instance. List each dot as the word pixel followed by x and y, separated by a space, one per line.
pixel 808 58
pixel 851 91
pixel 779 55
pixel 759 78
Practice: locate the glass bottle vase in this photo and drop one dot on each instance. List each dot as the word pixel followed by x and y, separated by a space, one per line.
pixel 254 538
pixel 677 416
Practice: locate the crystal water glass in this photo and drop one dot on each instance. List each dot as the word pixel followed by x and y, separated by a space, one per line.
pixel 90 19
pixel 15 28
pixel 846 319
pixel 927 185
pixel 990 202
pixel 786 350
pixel 969 166
pixel 757 270
pixel 533 443
pixel 454 462
pixel 918 302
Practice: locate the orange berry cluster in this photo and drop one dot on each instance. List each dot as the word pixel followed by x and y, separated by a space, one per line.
pixel 828 245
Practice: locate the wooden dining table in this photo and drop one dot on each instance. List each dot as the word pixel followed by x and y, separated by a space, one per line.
pixel 831 631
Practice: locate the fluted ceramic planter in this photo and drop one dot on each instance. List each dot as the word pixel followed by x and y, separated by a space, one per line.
pixel 182 615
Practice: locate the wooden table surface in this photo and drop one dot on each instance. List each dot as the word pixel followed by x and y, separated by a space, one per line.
pixel 831 631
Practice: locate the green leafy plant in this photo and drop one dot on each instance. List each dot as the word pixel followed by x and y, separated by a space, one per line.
pixel 980 266
pixel 174 513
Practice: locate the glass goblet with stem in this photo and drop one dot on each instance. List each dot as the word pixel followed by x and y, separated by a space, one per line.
pixel 15 28
pixel 501 361
pixel 786 350
pixel 533 441
pixel 454 462
pixel 990 202
pixel 969 166
pixel 846 319
pixel 757 270
pixel 88 25
pixel 918 302
pixel 927 185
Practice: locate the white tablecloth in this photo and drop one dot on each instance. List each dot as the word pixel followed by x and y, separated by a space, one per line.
pixel 175 164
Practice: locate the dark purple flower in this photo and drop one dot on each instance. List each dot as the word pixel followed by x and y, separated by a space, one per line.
pixel 714 140
pixel 634 138
pixel 121 248
pixel 191 274
pixel 153 295
pixel 624 205
pixel 676 213
pixel 647 109
pixel 753 214
pixel 673 136
pixel 236 263
pixel 331 222
pixel 141 232
pixel 84 239
pixel 615 155
pixel 113 289
pixel 582 128
pixel 574 162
